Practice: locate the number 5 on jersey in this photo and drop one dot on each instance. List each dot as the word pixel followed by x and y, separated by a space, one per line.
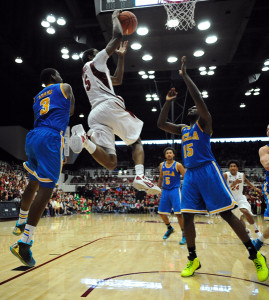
pixel 45 103
pixel 188 150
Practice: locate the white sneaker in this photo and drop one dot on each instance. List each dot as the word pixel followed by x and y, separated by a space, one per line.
pixel 154 190
pixel 78 138
pixel 142 183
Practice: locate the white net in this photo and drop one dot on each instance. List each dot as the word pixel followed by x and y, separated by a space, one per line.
pixel 180 14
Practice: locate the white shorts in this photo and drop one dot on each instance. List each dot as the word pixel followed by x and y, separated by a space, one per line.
pixel 242 203
pixel 111 118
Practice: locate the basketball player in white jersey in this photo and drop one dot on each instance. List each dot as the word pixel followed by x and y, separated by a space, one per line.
pixel 108 116
pixel 235 181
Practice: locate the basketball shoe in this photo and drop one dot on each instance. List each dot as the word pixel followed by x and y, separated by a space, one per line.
pixel 192 266
pixel 168 233
pixel 78 138
pixel 183 241
pixel 257 244
pixel 23 253
pixel 19 228
pixel 261 267
pixel 142 183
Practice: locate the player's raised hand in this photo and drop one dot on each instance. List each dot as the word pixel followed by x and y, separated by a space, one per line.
pixel 183 72
pixel 116 13
pixel 122 49
pixel 172 94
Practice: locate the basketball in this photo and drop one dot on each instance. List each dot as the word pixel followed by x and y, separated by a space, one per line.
pixel 128 22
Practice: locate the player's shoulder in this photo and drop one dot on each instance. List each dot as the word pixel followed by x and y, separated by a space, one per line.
pixel 264 149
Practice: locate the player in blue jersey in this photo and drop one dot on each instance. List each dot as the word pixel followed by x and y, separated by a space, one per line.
pixel 204 188
pixel 169 181
pixel 264 159
pixel 44 148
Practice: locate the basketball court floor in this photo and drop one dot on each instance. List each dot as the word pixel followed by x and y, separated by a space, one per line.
pixel 103 256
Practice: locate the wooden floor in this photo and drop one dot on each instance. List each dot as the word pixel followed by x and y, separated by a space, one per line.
pixel 124 257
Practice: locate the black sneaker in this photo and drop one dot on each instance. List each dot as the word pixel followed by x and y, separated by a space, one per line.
pixel 23 253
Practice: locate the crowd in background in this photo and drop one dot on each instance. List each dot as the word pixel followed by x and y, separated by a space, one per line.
pixel 105 193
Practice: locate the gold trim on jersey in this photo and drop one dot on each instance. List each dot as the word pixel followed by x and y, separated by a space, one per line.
pixel 63 91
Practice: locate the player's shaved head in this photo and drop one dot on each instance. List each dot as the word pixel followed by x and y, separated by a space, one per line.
pixel 88 53
pixel 46 76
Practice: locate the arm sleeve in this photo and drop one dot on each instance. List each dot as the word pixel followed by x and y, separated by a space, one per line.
pixel 100 60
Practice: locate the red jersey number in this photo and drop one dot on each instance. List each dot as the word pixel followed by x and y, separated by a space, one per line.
pixel 87 83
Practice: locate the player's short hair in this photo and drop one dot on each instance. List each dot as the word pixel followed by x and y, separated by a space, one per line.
pixel 89 52
pixel 45 75
pixel 234 161
pixel 169 148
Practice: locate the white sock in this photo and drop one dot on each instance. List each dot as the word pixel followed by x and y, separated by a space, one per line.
pixel 23 216
pixel 90 146
pixel 139 169
pixel 28 233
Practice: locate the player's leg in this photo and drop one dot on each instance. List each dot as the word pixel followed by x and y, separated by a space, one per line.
pixel 175 198
pixel 170 229
pixel 248 215
pixel 219 199
pixel 258 243
pixel 164 209
pixel 48 147
pixel 26 201
pixel 181 224
pixel 191 203
pixel 141 181
pixel 102 136
pixel 190 235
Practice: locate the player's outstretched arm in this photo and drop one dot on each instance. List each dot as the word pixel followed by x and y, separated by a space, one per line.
pixel 205 119
pixel 252 185
pixel 118 75
pixel 264 157
pixel 117 34
pixel 162 120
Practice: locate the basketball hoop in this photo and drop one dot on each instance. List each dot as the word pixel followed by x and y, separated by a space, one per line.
pixel 180 14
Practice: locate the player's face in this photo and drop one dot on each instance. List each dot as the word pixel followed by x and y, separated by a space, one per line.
pixel 193 114
pixel 267 130
pixel 169 155
pixel 233 169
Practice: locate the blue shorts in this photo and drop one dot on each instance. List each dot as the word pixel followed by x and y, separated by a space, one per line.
pixel 170 199
pixel 265 191
pixel 205 190
pixel 44 148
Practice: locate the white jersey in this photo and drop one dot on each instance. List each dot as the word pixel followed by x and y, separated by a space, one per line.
pixel 97 81
pixel 236 190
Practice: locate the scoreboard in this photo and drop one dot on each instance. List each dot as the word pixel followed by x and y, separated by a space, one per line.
pixel 108 5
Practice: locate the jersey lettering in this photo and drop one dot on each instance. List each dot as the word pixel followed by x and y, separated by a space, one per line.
pixel 45 103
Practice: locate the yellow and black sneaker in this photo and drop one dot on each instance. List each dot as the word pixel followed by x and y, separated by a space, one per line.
pixel 19 228
pixel 192 266
pixel 23 253
pixel 261 267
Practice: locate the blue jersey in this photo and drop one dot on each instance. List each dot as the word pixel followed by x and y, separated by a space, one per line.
pixel 195 146
pixel 52 108
pixel 171 177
